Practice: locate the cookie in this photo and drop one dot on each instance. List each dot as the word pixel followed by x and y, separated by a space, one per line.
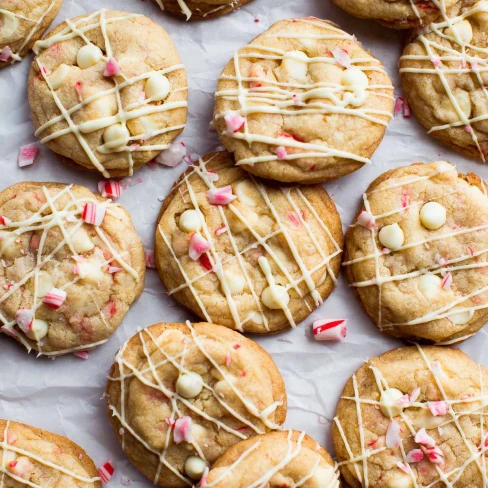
pixel 179 395
pixel 22 23
pixel 34 457
pixel 284 459
pixel 444 73
pixel 303 102
pixel 71 264
pixel 396 14
pixel 244 254
pixel 200 9
pixel 414 417
pixel 108 91
pixel 416 255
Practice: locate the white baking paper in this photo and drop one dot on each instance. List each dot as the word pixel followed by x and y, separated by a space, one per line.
pixel 65 395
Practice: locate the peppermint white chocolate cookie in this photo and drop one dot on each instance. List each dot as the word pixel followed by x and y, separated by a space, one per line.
pixel 21 24
pixel 179 395
pixel 71 264
pixel 108 91
pixel 36 458
pixel 303 102
pixel 200 9
pixel 278 459
pixel 444 75
pixel 417 254
pixel 242 253
pixel 414 417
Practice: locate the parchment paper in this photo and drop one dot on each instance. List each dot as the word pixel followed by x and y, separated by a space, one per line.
pixel 65 395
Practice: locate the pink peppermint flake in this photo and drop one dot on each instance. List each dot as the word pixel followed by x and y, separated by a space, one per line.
pixel 110 189
pixel 115 269
pixel 297 100
pixel 221 230
pixel 439 408
pixel 11 438
pixel 203 479
pixel 198 246
pixel 182 430
pixel 414 395
pixel 436 456
pixel 24 318
pixel 367 220
pixel 421 437
pixel 447 281
pixel 81 354
pixel 406 110
pixel 341 57
pixel 150 259
pixel 436 61
pixel 5 54
pixel 414 456
pixel 234 121
pixel 329 330
pixel 398 106
pixel 106 471
pixel 440 260
pixel 112 68
pixel 93 214
pixel 468 128
pixel 169 421
pixel 55 298
pixel 221 196
pixel 295 218
pixel 402 467
pixel 258 74
pixel 393 438
pixel 212 176
pixel 5 221
pixel 470 251
pixel 228 359
pixel 27 154
pixel 280 151
pixel 172 156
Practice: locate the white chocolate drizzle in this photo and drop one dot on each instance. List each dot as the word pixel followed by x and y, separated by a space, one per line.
pixel 448 478
pixel 293 197
pixel 69 220
pixel 145 107
pixel 127 371
pixel 5 448
pixel 275 97
pixel 187 11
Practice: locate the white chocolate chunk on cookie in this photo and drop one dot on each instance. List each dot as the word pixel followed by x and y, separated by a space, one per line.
pixel 81 241
pixel 59 75
pixel 433 215
pixel 460 31
pixel 190 221
pixel 9 24
pixel 354 77
pixel 157 87
pixel 391 236
pixel 38 330
pixel 458 316
pixel 295 65
pixel 403 481
pixel 430 286
pixel 9 244
pixel 91 270
pixel 389 402
pixel 275 297
pixel 195 467
pixel 189 385
pixel 235 282
pixel 246 193
pixel 45 284
pixel 116 137
pixel 88 56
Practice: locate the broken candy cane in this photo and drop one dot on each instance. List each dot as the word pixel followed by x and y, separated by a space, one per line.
pixel 366 219
pixel 173 155
pixel 280 151
pixel 221 196
pixel 93 214
pixel 109 188
pixel 106 471
pixel 439 408
pixel 198 246
pixel 447 281
pixel 54 298
pixel 234 121
pixel 5 54
pixel 182 430
pixel 24 318
pixel 5 221
pixel 112 68
pixel 329 330
pixel 393 438
pixel 27 154
pixel 421 437
pixel 414 456
pixel 341 57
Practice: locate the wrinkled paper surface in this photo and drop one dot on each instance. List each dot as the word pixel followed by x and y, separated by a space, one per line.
pixel 65 395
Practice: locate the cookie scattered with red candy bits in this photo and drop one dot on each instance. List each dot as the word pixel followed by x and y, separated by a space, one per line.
pixel 71 264
pixel 414 417
pixel 242 253
pixel 33 457
pixel 416 256
pixel 179 395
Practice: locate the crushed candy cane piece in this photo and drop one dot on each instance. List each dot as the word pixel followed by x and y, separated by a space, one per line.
pixel 470 251
pixel 447 281
pixel 221 196
pixel 414 395
pixel 112 68
pixel 110 189
pixel 398 105
pixel 198 246
pixel 280 151
pixel 367 220
pixel 234 121
pixel 5 221
pixel 440 260
pixel 106 471
pixel 115 269
pixel 421 437
pixel 406 110
pixel 182 430
pixel 93 214
pixel 172 156
pixel 81 354
pixel 150 259
pixel 329 330
pixel 24 318
pixel 414 456
pixel 439 408
pixel 393 438
pixel 228 359
pixel 402 467
pixel 205 262
pixel 221 230
pixel 5 54
pixel 27 154
pixel 341 57
pixel 435 455
pixel 203 479
pixel 54 298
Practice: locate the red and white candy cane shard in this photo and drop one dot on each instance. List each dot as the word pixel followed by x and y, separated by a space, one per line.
pixel 5 54
pixel 393 438
pixel 114 269
pixel 280 151
pixel 112 68
pixel 55 298
pixel 435 455
pixel 106 471
pixel 5 221
pixel 398 105
pixel 93 214
pixel 329 330
pixel 341 57
pixel 415 456
pixel 173 155
pixel 27 154
pixel 182 430
pixel 447 281
pixel 438 409
pixel 234 121
pixel 110 188
pixel 24 318
pixel 150 259
pixel 221 230
pixel 221 196
pixel 367 220
pixel 406 110
pixel 198 246
pixel 424 439
pixel 81 354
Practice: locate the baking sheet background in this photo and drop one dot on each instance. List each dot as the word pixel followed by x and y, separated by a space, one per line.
pixel 65 395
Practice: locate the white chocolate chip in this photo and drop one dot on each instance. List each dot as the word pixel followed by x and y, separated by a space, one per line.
pixel 88 56
pixel 295 65
pixel 195 467
pixel 354 77
pixel 10 24
pixel 235 282
pixel 59 75
pixel 38 331
pixel 433 215
pixel 244 192
pixel 324 476
pixel 190 221
pixel 388 402
pixel 402 482
pixel 22 467
pixel 157 87
pixel 91 270
pixel 459 317
pixel 275 297
pixel 116 137
pixel 81 241
pixel 7 457
pixel 189 385
pixel 391 236
pixel 460 31
pixel 430 286
pixel 425 420
pixel 257 318
pixel 9 248
pixel 45 284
